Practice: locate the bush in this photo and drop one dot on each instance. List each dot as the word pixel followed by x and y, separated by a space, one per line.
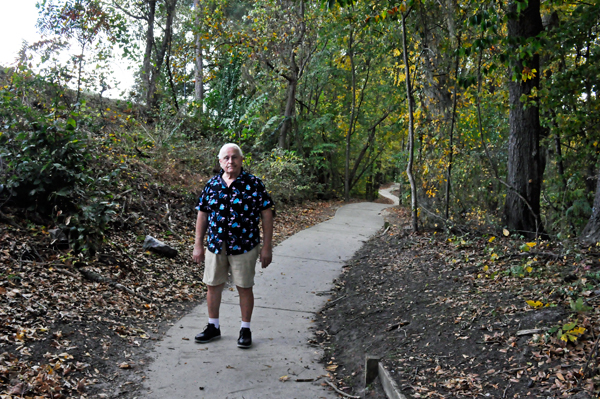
pixel 284 174
pixel 46 160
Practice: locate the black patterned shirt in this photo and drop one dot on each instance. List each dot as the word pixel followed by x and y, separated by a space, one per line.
pixel 234 212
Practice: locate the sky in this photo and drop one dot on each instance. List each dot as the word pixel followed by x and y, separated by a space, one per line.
pixel 17 23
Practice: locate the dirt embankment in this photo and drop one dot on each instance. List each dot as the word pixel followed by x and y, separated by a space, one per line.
pixel 466 316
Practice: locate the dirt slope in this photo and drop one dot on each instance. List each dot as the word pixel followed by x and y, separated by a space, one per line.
pixel 447 315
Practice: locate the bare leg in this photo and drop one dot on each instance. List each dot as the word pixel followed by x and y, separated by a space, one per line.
pixel 246 303
pixel 213 300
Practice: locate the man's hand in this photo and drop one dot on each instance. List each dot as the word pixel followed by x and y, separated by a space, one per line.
pixel 198 255
pixel 266 255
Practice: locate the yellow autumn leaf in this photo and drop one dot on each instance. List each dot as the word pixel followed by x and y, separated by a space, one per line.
pixel 529 269
pixel 485 268
pixel 491 239
pixel 535 304
pixel 494 256
pixel 531 244
pixel 579 330
pixel 564 338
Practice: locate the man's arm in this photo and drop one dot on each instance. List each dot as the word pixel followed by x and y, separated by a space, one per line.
pixel 266 253
pixel 201 226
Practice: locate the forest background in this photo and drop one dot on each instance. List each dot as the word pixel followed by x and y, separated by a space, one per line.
pixel 483 111
pixel 486 113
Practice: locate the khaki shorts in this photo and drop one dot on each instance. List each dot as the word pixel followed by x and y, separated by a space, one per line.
pixel 242 268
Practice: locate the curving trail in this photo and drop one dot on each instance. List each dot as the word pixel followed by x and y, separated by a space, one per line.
pixel 287 295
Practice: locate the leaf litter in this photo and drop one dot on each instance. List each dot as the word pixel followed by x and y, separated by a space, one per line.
pixel 78 327
pixel 474 315
pixel 449 316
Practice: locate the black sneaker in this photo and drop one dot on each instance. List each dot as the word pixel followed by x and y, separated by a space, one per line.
pixel 245 339
pixel 210 333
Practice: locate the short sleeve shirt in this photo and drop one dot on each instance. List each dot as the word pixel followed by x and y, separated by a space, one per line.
pixel 234 212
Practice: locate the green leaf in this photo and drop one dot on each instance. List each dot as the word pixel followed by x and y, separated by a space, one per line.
pixel 569 326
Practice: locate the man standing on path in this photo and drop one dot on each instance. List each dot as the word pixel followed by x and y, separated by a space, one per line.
pixel 230 209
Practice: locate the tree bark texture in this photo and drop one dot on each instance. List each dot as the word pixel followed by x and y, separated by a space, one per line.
pixel 451 134
pixel 293 77
pixel 147 63
pixel 352 116
pixel 591 233
pixel 152 67
pixel 411 133
pixel 525 163
pixel 199 67
pixel 290 107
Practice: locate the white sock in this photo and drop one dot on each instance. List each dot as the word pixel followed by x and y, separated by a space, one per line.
pixel 245 324
pixel 214 321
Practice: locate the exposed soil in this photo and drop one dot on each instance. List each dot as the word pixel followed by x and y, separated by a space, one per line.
pixel 448 316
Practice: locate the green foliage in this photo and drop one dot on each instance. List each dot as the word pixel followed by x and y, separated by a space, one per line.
pixel 350 53
pixel 568 332
pixel 284 175
pixel 579 306
pixel 168 126
pixel 47 160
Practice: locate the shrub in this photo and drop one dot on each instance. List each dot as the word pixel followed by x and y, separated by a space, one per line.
pixel 46 160
pixel 284 174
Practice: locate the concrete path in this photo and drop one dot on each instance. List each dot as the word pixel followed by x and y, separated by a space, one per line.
pixel 387 193
pixel 287 295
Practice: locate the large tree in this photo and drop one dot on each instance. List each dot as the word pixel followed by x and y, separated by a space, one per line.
pixel 148 14
pixel 284 42
pixel 591 233
pixel 525 162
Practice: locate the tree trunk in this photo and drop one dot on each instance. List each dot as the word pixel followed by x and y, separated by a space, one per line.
pixel 451 135
pixel 294 76
pixel 199 67
pixel 147 63
pixel 525 163
pixel 80 73
pixel 171 83
pixel 368 144
pixel 155 69
pixel 411 133
pixel 290 107
pixel 591 233
pixel 351 123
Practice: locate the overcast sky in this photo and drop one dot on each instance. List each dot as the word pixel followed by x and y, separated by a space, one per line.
pixel 17 23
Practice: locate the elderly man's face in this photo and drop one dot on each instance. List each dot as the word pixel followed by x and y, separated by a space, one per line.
pixel 231 162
